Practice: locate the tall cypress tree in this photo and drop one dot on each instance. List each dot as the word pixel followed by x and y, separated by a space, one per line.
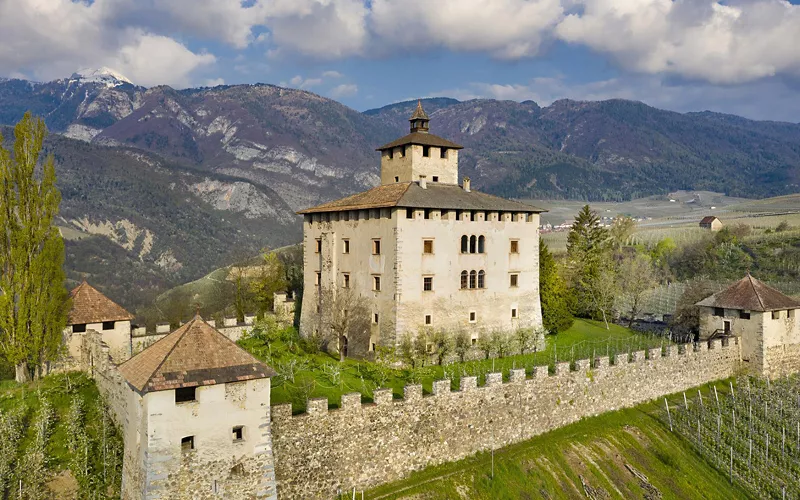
pixel 553 292
pixel 587 249
pixel 33 300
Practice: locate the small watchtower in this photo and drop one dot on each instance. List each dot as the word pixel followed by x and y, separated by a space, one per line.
pixel 420 155
pixel 91 310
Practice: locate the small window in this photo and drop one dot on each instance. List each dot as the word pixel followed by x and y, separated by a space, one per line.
pixel 435 178
pixel 78 328
pixel 317 278
pixel 443 153
pixel 376 247
pixel 481 244
pixel 513 280
pixel 346 280
pixel 185 394
pixel 464 277
pixel 473 279
pixel 474 341
pixel 513 313
pixel 108 325
pixel 396 178
pixel 427 246
pixel 345 246
pixel 376 283
pixel 481 279
pixel 473 317
pixel 719 312
pixel 428 319
pixel 464 244
pixel 427 283
pixel 409 213
pixel 776 315
pixel 427 214
pixel 514 246
pixel 473 244
pixel 426 151
pixel 744 314
pixel 238 433
pixel 318 247
pixel 375 318
pixel 187 444
pixel 391 155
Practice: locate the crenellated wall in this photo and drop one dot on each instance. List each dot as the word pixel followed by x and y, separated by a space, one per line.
pixel 363 445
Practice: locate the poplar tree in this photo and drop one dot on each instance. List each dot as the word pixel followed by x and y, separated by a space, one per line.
pixel 553 293
pixel 33 300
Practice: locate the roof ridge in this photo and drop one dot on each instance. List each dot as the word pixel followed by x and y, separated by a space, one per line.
pixel 755 290
pixel 237 345
pixel 166 355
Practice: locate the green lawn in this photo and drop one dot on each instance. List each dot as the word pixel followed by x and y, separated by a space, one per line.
pixel 595 452
pixel 302 376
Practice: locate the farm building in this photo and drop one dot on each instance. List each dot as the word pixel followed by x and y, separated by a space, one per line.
pixel 711 222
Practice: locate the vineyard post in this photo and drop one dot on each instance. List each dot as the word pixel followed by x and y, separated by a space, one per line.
pixel 700 395
pixel 733 416
pixel 716 397
pixel 766 452
pixel 733 394
pixel 750 455
pixel 731 469
pixel 783 440
pixel 668 415
pixel 685 403
pixel 719 422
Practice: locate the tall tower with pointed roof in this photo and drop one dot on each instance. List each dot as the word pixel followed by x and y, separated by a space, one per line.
pixel 419 155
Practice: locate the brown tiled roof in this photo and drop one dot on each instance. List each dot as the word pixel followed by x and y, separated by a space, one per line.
pixel 193 355
pixel 750 294
pixel 436 195
pixel 708 219
pixel 423 139
pixel 419 113
pixel 91 306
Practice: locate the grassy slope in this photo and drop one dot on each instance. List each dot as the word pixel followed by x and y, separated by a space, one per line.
pixel 584 339
pixel 596 449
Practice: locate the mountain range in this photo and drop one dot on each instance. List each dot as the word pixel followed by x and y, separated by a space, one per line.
pixel 162 185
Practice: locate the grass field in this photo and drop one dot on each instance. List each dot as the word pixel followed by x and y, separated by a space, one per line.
pixel 598 457
pixel 302 376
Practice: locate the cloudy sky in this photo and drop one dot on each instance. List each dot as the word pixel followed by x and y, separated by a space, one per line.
pixel 735 56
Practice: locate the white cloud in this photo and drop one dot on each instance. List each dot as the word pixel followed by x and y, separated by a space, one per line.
pixel 156 60
pixel 344 90
pixel 213 82
pixel 332 74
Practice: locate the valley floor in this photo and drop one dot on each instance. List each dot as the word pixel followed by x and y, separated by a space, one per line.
pixel 625 454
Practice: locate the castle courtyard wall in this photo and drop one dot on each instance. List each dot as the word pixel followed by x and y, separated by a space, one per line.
pixel 363 445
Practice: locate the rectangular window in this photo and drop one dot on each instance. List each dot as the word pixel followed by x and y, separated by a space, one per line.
pixel 345 246
pixel 719 312
pixel 428 319
pixel 317 278
pixel 78 328
pixel 426 151
pixel 238 433
pixel 375 318
pixel 346 280
pixel 187 444
pixel 443 153
pixel 185 394
pixel 513 280
pixel 776 315
pixel 514 246
pixel 396 178
pixel 473 317
pixel 744 314
pixel 409 213
pixel 427 246
pixel 108 325
pixel 318 247
pixel 435 178
pixel 513 313
pixel 376 283
pixel 427 283
pixel 376 247
pixel 427 214
pixel 474 341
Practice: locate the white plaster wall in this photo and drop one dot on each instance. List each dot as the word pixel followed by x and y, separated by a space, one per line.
pixel 413 164
pixel 448 304
pixel 118 340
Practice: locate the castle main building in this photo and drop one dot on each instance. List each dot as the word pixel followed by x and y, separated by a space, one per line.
pixel 422 250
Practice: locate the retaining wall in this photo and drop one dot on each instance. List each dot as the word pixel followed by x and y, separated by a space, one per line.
pixel 360 445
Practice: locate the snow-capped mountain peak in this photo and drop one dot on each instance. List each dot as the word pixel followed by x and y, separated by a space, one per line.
pixel 104 75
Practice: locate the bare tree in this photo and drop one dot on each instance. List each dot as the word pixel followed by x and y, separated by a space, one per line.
pixel 442 344
pixel 485 344
pixel 603 289
pixel 636 278
pixel 345 319
pixel 462 344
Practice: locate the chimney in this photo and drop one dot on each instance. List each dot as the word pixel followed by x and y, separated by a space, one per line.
pixel 423 181
pixel 465 184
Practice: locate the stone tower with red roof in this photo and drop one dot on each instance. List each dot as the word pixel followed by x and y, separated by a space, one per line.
pixel 91 310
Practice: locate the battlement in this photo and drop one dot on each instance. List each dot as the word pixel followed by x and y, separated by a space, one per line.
pixel 565 372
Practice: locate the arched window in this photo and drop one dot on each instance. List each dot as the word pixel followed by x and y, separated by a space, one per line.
pixel 463 279
pixel 472 243
pixel 481 279
pixel 464 244
pixel 472 279
pixel 481 244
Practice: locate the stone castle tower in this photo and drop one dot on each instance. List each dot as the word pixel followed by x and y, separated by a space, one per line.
pixel 421 251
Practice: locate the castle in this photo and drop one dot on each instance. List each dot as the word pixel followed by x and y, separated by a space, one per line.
pixel 422 251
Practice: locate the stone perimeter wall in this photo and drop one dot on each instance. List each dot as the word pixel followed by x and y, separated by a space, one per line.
pixel 363 445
